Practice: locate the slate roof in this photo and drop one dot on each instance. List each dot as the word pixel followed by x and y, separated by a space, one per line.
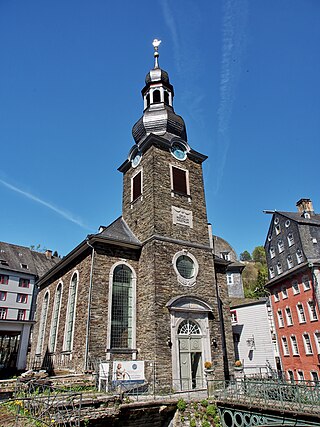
pixel 221 245
pixel 14 258
pixel 298 217
pixel 119 231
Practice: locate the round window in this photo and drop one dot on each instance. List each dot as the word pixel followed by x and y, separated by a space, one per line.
pixel 179 151
pixel 185 266
pixel 136 158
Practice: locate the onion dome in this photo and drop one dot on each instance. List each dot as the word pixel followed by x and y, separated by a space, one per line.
pixel 158 116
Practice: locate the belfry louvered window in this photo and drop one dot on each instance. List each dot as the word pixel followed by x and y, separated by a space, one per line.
pixel 136 186
pixel 70 319
pixel 179 180
pixel 122 308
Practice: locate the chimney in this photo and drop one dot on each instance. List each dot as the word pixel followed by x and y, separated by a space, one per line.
pixel 305 205
pixel 48 254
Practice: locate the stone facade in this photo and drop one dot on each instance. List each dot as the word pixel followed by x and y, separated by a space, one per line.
pixel 178 315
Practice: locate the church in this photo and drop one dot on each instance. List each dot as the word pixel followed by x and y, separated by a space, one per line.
pixel 145 293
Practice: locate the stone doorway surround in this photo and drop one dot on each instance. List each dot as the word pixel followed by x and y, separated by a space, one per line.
pixel 183 308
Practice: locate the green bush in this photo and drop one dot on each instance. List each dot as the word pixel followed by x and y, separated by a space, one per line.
pixel 204 403
pixel 211 410
pixel 181 405
pixel 205 424
pixel 193 423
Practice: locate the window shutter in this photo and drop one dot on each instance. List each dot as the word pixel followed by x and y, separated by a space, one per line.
pixel 136 190
pixel 179 180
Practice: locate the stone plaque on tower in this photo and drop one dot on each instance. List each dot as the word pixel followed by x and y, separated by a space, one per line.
pixel 182 217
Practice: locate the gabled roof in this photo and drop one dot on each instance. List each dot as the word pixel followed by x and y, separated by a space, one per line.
pixel 23 260
pixel 119 231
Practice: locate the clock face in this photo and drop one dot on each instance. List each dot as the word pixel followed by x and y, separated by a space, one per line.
pixel 179 151
pixel 136 159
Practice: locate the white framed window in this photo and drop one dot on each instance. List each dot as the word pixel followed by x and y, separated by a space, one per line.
pixel 4 279
pixel 307 343
pixel 284 292
pixel 42 323
pixel 295 287
pixel 271 272
pixel 306 283
pixel 3 313
pixel 136 185
pixel 186 268
pixel 71 313
pixel 299 256
pixel 280 319
pixel 289 316
pixel 312 311
pixel 301 314
pixel 290 239
pixel 272 252
pixel 289 261
pixel 230 278
pixel 285 346
pixel 279 268
pixel 317 340
pixel 55 318
pixel 294 345
pixel 300 375
pixel 21 315
pixel 276 296
pixel 234 318
pixel 22 298
pixel 280 246
pixel 314 377
pixel 225 255
pixel 277 229
pixel 290 376
pixel 3 296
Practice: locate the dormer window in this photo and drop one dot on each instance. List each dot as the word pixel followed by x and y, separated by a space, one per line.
pixel 24 266
pixel 225 256
pixel 306 215
pixel 3 262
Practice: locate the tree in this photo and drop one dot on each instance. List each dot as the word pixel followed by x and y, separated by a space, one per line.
pixel 258 255
pixel 245 256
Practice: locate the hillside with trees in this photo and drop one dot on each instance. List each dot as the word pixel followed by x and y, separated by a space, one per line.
pixel 255 275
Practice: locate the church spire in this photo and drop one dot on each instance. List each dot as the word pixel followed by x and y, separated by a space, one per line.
pixel 158 117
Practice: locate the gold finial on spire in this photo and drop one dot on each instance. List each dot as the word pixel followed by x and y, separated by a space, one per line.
pixel 156 44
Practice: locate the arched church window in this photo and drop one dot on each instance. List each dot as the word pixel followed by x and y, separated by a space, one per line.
pixel 55 318
pixel 70 319
pixel 122 308
pixel 166 97
pixel 156 96
pixel 43 321
pixel 189 327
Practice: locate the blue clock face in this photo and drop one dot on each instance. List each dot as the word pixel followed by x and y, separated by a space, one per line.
pixel 179 151
pixel 136 159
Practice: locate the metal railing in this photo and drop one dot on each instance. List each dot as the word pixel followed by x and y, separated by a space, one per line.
pixel 279 395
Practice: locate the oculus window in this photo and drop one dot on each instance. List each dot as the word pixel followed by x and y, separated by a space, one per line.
pixel 186 268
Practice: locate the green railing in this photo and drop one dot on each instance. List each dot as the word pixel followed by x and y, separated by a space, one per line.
pixel 298 398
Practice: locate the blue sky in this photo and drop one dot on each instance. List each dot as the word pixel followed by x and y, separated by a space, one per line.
pixel 246 78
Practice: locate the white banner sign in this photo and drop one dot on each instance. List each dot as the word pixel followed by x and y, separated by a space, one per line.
pixel 128 370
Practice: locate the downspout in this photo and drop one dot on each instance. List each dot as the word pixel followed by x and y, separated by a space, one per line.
pixel 86 354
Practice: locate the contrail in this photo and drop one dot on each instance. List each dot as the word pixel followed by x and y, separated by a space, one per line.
pixel 233 42
pixel 169 20
pixel 64 214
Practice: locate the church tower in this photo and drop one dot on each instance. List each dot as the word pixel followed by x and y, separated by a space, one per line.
pixel 177 310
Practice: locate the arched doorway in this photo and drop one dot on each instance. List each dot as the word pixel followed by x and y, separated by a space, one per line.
pixel 190 355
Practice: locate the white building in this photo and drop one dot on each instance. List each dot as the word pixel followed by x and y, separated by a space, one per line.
pixel 20 267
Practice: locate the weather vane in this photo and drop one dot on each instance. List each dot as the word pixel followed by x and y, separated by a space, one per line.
pixel 156 44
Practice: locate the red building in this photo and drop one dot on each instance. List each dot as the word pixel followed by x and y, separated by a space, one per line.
pixel 293 257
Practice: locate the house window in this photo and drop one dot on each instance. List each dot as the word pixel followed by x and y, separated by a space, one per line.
pixel 42 324
pixel 136 186
pixel 279 268
pixel 280 319
pixel 24 283
pixel 179 181
pixel 301 315
pixel 3 313
pixel 233 316
pixel 290 376
pixel 22 298
pixel 294 345
pixel 295 288
pixel 4 279
pixel 284 292
pixel 272 252
pixel 314 377
pixel 312 311
pixel 289 316
pixel 3 262
pixel 55 318
pixel 230 278
pixel 307 344
pixel 317 339
pixel 306 283
pixel 287 223
pixel 289 261
pixel 271 272
pixel 3 296
pixel 300 376
pixel 24 266
pixel 285 346
pixel 280 246
pixel 71 313
pixel 122 308
pixel 290 239
pixel 276 296
pixel 21 314
pixel 299 256
pixel 225 255
pixel 278 229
